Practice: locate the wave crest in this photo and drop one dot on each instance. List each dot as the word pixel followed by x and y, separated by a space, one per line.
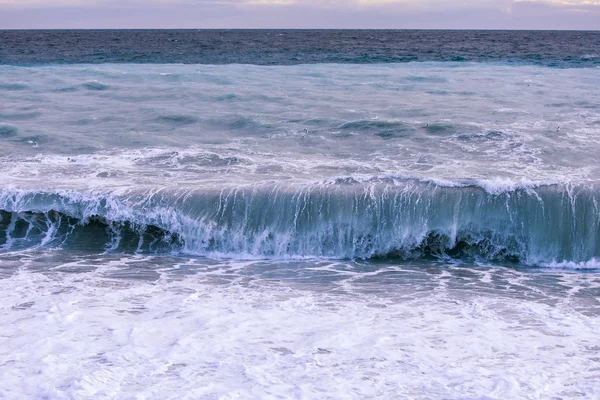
pixel 538 225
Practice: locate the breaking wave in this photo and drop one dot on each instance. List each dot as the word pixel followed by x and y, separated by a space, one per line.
pixel 532 225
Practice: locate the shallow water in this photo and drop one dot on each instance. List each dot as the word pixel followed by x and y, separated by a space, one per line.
pixel 80 325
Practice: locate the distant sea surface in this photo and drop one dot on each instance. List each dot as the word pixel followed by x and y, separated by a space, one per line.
pixel 289 47
pixel 299 214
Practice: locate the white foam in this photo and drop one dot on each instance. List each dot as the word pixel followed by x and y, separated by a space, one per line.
pixel 85 335
pixel 594 263
pixel 500 185
pixel 279 102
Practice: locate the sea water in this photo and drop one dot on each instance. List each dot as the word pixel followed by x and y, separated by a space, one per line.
pixel 340 228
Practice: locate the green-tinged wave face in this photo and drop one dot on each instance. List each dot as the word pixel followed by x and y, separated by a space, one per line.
pixel 401 219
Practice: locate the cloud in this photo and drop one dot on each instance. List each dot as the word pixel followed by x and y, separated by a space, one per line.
pixel 400 14
pixel 564 2
pixel 341 4
pixel 544 7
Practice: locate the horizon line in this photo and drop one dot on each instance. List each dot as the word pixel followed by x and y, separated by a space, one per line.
pixel 304 29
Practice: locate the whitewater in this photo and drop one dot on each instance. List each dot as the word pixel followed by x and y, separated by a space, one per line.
pixel 416 230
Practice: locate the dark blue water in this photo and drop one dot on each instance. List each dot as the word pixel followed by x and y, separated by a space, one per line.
pixel 288 47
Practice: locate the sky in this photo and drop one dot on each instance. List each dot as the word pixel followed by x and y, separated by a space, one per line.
pixel 359 14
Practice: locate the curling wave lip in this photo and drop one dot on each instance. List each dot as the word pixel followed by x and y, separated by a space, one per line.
pixel 534 225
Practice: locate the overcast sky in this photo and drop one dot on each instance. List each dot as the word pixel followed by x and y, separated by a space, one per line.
pixel 428 14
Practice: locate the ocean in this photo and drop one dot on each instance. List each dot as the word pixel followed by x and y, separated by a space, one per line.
pixel 299 214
